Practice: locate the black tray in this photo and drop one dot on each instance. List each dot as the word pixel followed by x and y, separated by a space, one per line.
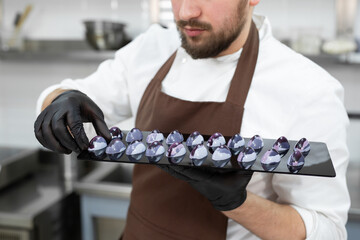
pixel 317 163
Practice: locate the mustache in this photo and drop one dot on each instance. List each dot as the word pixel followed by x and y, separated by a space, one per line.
pixel 194 23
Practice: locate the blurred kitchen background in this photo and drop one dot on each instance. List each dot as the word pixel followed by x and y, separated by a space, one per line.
pixel 48 196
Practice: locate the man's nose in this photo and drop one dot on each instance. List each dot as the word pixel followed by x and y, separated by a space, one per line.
pixel 189 9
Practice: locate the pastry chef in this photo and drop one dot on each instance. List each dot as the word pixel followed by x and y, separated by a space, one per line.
pixel 219 70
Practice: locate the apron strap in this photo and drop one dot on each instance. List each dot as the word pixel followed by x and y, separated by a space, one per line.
pixel 240 84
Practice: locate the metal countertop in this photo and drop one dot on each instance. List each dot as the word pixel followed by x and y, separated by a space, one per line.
pixel 22 201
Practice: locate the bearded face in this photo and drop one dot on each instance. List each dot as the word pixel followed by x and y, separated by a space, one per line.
pixel 201 40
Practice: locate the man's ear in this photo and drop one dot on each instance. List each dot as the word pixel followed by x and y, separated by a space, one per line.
pixel 253 3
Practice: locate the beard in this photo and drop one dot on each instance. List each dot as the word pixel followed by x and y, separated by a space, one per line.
pixel 216 41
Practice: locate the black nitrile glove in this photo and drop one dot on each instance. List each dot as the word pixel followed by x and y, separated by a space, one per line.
pixel 224 188
pixel 68 111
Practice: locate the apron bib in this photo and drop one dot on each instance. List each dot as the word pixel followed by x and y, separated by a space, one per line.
pixel 163 207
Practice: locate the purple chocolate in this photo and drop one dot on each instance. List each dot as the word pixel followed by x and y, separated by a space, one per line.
pixel 97 146
pixel 221 156
pixel 193 140
pixel 198 154
pixel 155 152
pixel 295 162
pixel 236 144
pixel 174 137
pixel 134 135
pixel 303 146
pixel 281 145
pixel 115 132
pixel 247 158
pixel 115 149
pixel 97 143
pixel 257 143
pixel 176 153
pixel 271 160
pixel 215 141
pixel 135 150
pixel 154 136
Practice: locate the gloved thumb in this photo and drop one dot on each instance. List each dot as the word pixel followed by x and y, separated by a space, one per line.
pixel 102 129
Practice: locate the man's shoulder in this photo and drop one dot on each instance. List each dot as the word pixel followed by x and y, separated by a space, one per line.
pixel 284 64
pixel 292 68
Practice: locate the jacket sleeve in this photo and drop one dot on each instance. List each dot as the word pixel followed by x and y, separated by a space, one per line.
pixel 322 202
pixel 107 86
pixel 117 85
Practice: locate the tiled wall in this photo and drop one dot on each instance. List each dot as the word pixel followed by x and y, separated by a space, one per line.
pixel 54 19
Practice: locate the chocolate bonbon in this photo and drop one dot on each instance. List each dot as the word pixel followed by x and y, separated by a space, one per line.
pixel 115 132
pixel 236 144
pixel 256 143
pixel 155 152
pixel 216 140
pixel 295 162
pixel 221 156
pixel 174 137
pixel 247 158
pixel 115 149
pixel 303 146
pixel 134 135
pixel 282 146
pixel 270 161
pixel 97 146
pixel 176 153
pixel 135 151
pixel 193 140
pixel 155 136
pixel 198 154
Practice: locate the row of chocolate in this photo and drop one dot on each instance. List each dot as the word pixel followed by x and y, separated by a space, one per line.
pixel 216 145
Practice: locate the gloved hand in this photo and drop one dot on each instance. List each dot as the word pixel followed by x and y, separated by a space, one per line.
pixel 224 188
pixel 67 112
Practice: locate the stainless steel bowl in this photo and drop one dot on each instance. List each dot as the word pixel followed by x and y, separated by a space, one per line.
pixel 105 35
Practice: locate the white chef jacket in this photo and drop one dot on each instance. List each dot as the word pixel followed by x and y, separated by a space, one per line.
pixel 289 96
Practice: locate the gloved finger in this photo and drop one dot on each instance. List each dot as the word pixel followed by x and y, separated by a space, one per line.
pixel 76 127
pixel 60 130
pixel 49 138
pixel 169 169
pixel 101 128
pixel 37 128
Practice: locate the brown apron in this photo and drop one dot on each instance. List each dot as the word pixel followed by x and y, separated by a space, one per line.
pixel 163 207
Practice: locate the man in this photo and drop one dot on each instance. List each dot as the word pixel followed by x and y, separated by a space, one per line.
pixel 223 73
